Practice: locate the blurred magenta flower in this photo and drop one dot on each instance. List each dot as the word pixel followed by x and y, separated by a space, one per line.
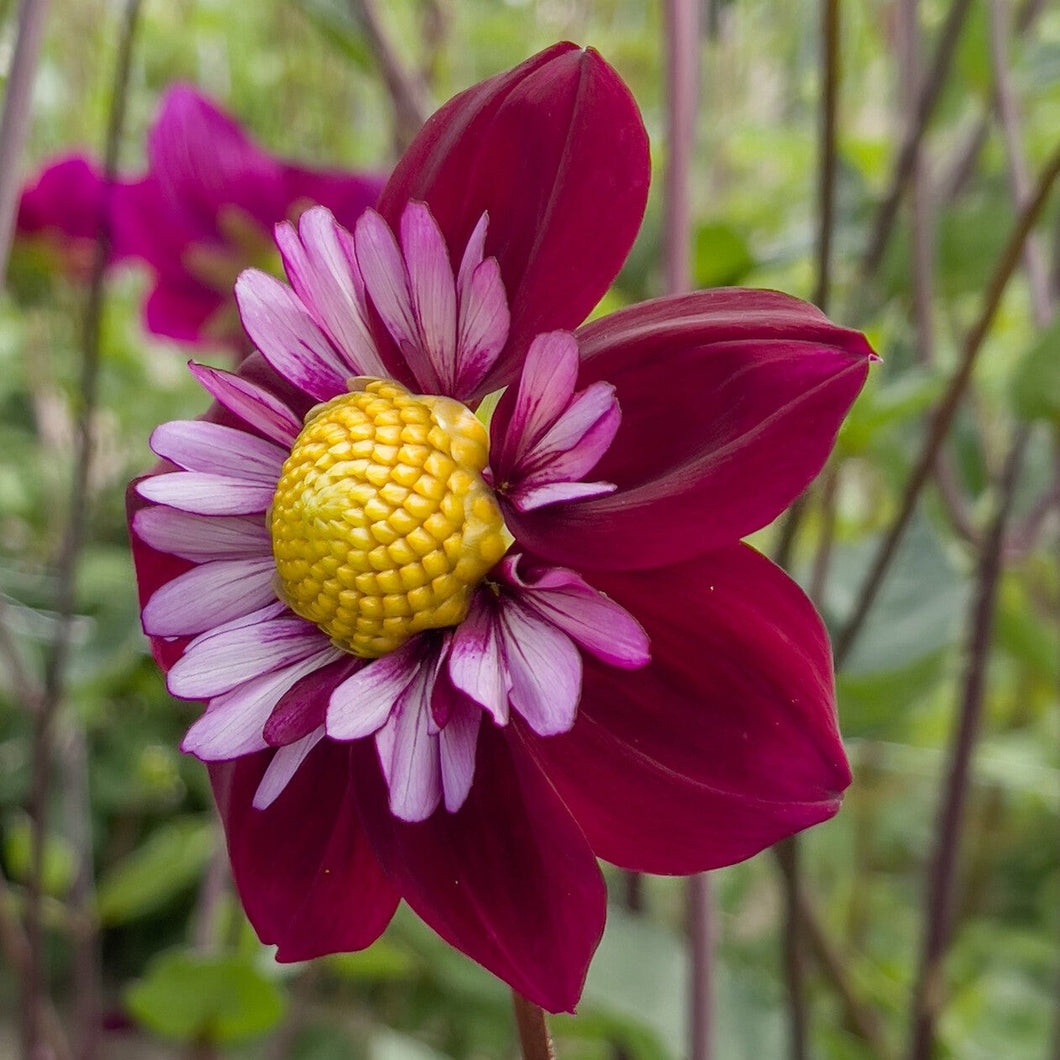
pixel 63 208
pixel 203 212
pixel 454 663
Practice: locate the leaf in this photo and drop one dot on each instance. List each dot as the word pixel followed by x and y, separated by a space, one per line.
pixel 917 611
pixel 720 257
pixel 197 998
pixel 168 863
pixel 1036 383
pixel 60 860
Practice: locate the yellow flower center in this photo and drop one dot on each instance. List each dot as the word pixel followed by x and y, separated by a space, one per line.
pixel 381 523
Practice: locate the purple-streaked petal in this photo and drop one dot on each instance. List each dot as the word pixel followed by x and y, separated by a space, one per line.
pixel 197 445
pixel 592 619
pixel 483 329
pixel 387 283
pixel 574 444
pixel 472 258
pixel 476 665
pixel 283 767
pixel 321 266
pixel 305 872
pixel 287 336
pixel 232 724
pixel 251 403
pixel 305 706
pixel 408 751
pixel 433 291
pixel 219 661
pixel 208 595
pixel 527 498
pixel 543 666
pixel 545 389
pixel 760 383
pixel 202 538
pixel 363 702
pixel 532 916
pixel 457 741
pixel 202 494
pixel 725 742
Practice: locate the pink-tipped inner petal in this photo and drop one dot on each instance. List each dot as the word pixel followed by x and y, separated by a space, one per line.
pixel 202 539
pixel 476 664
pixel 251 403
pixel 387 283
pixel 202 494
pixel 233 722
pixel 321 266
pixel 197 445
pixel 364 701
pixel 287 336
pixel 433 291
pixel 408 751
pixel 544 667
pixel 283 767
pixel 209 594
pixel 218 662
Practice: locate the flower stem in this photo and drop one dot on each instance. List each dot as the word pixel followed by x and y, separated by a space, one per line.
pixel 14 121
pixel 534 1039
pixel 34 986
pixel 930 92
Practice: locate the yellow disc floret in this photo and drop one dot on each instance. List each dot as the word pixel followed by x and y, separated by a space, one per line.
pixel 381 523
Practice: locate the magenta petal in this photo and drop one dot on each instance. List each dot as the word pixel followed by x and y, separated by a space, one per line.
pixel 556 152
pixel 758 386
pixel 508 879
pixel 725 742
pixel 306 875
pixel 363 702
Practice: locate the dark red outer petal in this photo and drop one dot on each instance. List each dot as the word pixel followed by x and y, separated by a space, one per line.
pixel 305 873
pixel 556 152
pixel 508 879
pixel 731 401
pixel 726 742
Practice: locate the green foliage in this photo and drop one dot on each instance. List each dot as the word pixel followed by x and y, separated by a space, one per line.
pixel 166 865
pixel 203 999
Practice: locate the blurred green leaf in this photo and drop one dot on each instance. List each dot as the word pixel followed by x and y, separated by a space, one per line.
pixel 169 862
pixel 918 609
pixel 60 860
pixel 720 256
pixel 198 998
pixel 1036 384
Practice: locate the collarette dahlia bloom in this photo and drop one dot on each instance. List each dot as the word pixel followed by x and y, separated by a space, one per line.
pixel 454 663
pixel 202 213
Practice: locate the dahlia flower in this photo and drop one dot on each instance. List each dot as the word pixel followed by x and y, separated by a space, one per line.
pixel 462 588
pixel 203 212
